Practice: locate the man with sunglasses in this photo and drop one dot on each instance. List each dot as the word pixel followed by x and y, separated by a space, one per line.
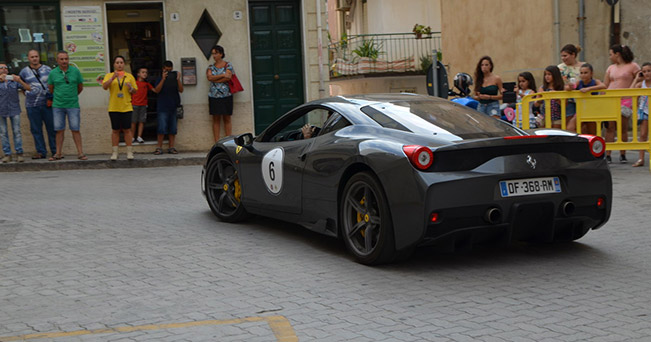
pixel 65 83
pixel 10 109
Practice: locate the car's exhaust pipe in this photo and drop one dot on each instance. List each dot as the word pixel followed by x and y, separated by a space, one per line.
pixel 493 216
pixel 567 208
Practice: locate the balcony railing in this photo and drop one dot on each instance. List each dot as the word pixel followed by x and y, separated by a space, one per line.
pixel 383 53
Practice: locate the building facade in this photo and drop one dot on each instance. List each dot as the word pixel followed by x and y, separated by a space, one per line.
pixel 382 29
pixel 275 47
pixel 528 35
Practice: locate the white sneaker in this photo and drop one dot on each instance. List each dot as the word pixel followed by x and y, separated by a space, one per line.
pixel 139 139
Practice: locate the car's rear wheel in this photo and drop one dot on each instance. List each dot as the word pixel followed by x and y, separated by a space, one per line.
pixel 365 219
pixel 223 189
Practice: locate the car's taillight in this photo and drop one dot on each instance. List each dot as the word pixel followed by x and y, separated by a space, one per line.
pixel 419 156
pixel 597 144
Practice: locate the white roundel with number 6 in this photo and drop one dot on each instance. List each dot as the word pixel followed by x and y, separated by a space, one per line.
pixel 272 170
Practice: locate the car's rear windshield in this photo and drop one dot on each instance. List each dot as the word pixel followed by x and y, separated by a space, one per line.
pixel 438 117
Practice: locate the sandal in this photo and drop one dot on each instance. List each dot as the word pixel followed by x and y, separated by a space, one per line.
pixel 158 151
pixel 55 157
pixel 639 162
pixel 172 151
pixel 82 157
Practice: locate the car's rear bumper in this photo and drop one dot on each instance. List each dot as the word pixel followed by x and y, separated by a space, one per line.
pixel 474 210
pixel 463 202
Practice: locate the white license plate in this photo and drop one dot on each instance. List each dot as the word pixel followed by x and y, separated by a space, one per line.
pixel 530 186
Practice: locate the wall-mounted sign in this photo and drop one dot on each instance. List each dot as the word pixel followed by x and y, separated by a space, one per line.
pixel 83 39
pixel 189 70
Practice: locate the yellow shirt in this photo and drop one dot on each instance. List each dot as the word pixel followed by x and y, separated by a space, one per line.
pixel 120 103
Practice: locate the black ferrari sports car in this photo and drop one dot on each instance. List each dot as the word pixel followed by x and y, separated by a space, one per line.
pixel 390 172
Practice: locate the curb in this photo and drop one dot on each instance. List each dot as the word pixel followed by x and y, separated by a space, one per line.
pixel 101 162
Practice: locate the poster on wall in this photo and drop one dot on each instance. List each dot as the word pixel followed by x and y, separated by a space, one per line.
pixel 83 39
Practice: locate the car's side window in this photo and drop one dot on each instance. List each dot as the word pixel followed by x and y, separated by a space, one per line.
pixel 314 118
pixel 335 122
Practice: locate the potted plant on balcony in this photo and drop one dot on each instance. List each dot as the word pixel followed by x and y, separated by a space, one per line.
pixel 367 54
pixel 419 30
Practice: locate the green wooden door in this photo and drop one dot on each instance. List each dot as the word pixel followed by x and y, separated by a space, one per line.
pixel 277 59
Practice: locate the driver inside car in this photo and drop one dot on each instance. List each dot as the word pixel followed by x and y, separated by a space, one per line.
pixel 308 131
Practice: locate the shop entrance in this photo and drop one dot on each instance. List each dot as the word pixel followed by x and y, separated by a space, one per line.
pixel 136 33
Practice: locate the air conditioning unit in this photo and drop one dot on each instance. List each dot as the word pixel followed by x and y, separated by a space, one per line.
pixel 344 5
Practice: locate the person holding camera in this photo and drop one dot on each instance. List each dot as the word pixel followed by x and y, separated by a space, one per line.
pixel 38 103
pixel 121 86
pixel 168 88
pixel 10 108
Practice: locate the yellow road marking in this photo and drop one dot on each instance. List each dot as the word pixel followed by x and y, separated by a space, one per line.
pixel 279 325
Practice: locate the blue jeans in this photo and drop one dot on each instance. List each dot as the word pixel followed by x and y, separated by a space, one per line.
pixel 166 122
pixel 490 109
pixel 4 134
pixel 74 118
pixel 37 117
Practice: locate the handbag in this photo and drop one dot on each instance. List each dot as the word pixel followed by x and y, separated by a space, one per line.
pixel 234 84
pixel 179 112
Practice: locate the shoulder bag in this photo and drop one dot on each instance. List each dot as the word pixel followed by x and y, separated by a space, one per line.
pixel 234 84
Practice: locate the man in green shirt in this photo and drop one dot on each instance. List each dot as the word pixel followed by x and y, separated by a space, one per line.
pixel 65 83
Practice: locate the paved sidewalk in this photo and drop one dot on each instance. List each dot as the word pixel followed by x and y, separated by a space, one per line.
pixel 101 161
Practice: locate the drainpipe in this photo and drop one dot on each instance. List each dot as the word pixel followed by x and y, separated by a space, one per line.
pixel 582 29
pixel 557 32
pixel 320 49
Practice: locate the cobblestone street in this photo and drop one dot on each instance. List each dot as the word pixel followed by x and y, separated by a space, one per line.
pixel 136 255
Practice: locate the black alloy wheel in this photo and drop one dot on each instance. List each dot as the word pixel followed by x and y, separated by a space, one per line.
pixel 223 189
pixel 365 219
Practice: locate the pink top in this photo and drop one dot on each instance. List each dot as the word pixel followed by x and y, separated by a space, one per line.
pixel 621 76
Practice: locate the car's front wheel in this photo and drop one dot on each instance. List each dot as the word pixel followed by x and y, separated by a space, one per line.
pixel 223 189
pixel 365 219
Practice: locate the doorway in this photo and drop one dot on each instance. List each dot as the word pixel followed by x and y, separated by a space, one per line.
pixel 277 59
pixel 136 33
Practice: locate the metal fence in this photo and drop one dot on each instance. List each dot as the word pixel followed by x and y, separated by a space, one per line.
pixel 380 53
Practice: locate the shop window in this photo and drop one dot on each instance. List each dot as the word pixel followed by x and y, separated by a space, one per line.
pixel 25 26
pixel 206 34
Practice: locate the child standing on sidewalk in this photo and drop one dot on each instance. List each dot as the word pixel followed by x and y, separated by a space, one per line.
pixel 526 86
pixel 643 80
pixel 139 102
pixel 586 84
pixel 552 81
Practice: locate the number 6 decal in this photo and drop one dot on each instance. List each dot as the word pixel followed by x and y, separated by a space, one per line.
pixel 272 170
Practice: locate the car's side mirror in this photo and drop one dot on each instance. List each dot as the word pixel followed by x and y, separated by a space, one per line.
pixel 244 140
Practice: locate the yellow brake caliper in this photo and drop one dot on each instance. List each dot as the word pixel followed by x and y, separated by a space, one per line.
pixel 360 217
pixel 238 190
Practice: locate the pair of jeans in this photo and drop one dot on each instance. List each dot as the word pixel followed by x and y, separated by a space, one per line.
pixel 166 122
pixel 37 117
pixel 74 118
pixel 490 109
pixel 15 129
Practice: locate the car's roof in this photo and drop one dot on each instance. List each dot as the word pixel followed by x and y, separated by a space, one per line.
pixel 366 99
